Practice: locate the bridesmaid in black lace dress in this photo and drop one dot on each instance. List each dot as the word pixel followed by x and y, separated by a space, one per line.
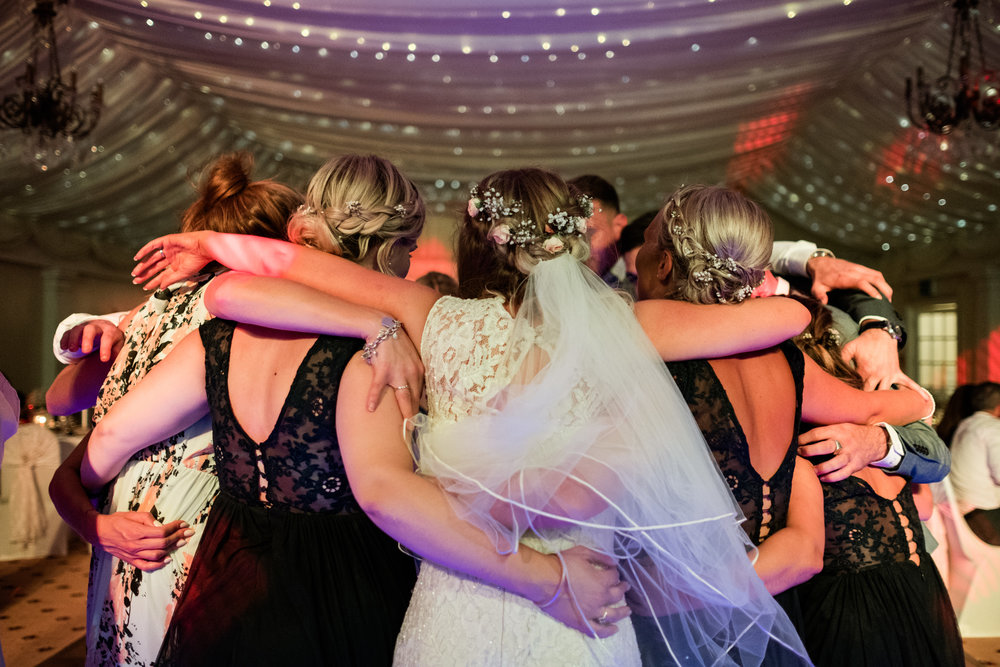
pixel 879 599
pixel 711 245
pixel 290 570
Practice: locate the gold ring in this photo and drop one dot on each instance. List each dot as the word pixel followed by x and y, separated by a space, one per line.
pixel 837 446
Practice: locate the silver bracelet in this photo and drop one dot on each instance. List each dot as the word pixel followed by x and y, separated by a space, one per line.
pixel 822 252
pixel 559 587
pixel 390 329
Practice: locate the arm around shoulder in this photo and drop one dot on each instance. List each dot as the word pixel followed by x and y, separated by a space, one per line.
pixel 168 399
pixel 828 400
pixel 416 512
pixel 680 330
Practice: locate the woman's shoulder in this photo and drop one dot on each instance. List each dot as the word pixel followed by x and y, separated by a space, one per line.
pixel 470 307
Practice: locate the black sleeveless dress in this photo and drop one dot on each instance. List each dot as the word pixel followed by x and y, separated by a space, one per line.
pixel 290 570
pixel 764 501
pixel 879 601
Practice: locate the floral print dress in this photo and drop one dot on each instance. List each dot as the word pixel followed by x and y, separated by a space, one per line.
pixel 128 610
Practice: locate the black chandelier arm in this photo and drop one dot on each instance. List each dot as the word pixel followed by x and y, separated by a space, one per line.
pixel 909 99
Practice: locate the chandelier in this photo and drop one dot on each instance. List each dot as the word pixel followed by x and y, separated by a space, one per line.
pixel 46 110
pixel 943 104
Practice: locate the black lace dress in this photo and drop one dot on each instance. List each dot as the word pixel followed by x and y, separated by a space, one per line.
pixel 879 601
pixel 290 571
pixel 764 501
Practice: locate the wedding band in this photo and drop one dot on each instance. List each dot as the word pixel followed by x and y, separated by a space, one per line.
pixel 163 255
pixel 401 387
pixel 837 446
pixel 603 620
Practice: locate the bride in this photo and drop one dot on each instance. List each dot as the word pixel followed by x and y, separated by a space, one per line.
pixel 551 423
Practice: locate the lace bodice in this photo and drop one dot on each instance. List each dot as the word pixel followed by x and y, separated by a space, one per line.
pixel 764 501
pixel 863 529
pixel 464 341
pixel 298 468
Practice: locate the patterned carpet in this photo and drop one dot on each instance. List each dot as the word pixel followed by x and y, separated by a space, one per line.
pixel 43 605
pixel 42 609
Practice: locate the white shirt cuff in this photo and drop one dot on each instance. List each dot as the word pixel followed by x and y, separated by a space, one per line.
pixel 791 257
pixel 894 456
pixel 67 357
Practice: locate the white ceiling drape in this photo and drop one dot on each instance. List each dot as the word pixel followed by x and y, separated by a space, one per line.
pixel 799 103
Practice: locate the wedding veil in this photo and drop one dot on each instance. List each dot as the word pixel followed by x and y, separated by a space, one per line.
pixel 589 442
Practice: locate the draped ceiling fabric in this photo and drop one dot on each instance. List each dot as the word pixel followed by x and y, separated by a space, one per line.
pixel 799 103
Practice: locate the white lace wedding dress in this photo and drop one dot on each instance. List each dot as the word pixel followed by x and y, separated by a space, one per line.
pixel 564 419
pixel 454 619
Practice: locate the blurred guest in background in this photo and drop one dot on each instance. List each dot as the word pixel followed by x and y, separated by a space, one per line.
pixel 603 227
pixel 975 469
pixel 959 407
pixel 442 282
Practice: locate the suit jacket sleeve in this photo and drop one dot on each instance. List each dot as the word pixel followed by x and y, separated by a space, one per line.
pixel 859 305
pixel 926 458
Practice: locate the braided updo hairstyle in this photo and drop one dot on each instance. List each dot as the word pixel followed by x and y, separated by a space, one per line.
pixel 720 242
pixel 486 267
pixel 357 205
pixel 228 201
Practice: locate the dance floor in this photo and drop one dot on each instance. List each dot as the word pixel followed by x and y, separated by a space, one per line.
pixel 42 607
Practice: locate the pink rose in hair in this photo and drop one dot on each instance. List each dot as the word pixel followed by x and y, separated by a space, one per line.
pixel 500 234
pixel 553 244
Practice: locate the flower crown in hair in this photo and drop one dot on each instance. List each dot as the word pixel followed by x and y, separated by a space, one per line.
pixel 491 206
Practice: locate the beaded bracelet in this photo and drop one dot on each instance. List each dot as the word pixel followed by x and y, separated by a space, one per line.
pixel 389 329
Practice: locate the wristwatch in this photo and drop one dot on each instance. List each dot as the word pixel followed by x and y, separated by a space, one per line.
pixel 894 330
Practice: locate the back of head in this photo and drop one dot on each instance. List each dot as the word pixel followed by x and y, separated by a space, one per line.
pixel 720 242
pixel 598 188
pixel 821 341
pixel 986 396
pixel 633 234
pixel 959 407
pixel 359 207
pixel 230 202
pixel 514 220
pixel 441 282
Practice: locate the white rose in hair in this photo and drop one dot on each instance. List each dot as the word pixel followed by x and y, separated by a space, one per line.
pixel 553 244
pixel 500 234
